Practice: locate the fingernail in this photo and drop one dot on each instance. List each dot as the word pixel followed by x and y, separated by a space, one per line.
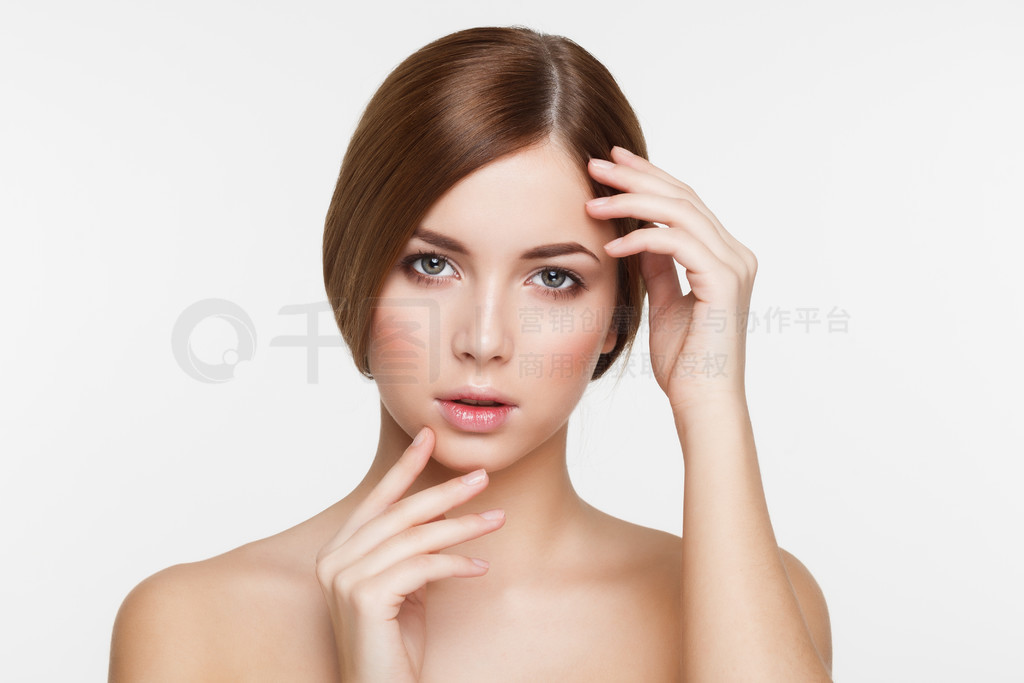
pixel 601 163
pixel 419 437
pixel 597 201
pixel 624 150
pixel 613 244
pixel 473 477
pixel 493 514
pixel 481 563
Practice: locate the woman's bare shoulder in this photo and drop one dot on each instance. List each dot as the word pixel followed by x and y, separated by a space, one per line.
pixel 212 619
pixel 637 545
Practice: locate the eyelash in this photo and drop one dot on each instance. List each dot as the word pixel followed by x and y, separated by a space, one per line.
pixel 432 281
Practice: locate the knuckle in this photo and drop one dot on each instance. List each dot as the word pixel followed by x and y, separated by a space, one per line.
pixel 684 203
pixel 738 279
pixel 324 574
pixel 731 278
pixel 746 265
pixel 423 563
pixel 363 596
pixel 344 585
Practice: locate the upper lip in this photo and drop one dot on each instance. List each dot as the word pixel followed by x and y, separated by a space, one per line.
pixel 478 394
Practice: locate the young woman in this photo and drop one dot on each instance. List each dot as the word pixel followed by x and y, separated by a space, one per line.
pixel 497 182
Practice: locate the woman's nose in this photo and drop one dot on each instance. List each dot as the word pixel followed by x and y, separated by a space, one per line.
pixel 484 331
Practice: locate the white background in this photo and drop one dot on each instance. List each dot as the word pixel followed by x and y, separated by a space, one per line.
pixel 870 154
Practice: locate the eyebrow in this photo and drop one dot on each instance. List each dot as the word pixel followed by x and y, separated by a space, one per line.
pixel 543 251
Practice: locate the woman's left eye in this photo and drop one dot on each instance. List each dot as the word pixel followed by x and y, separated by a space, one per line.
pixel 553 278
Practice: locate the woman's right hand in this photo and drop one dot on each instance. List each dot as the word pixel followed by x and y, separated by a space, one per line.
pixel 375 570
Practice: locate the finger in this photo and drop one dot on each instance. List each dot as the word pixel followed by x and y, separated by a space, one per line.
pixel 425 539
pixel 621 155
pixel 636 174
pixel 402 474
pixel 629 179
pixel 679 214
pixel 388 590
pixel 418 508
pixel 644 182
pixel 626 158
pixel 389 489
pixel 700 263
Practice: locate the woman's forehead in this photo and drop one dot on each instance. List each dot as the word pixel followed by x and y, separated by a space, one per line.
pixel 535 196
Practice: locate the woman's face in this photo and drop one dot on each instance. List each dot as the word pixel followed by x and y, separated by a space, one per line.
pixel 504 292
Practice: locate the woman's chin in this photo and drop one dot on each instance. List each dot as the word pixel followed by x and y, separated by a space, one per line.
pixel 471 458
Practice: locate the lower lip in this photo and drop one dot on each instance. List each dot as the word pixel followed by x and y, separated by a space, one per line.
pixel 474 418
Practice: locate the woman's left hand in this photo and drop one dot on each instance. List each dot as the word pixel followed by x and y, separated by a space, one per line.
pixel 698 341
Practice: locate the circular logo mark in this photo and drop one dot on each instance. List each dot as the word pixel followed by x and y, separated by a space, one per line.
pixel 190 318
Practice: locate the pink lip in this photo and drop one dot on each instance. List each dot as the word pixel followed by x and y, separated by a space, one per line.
pixel 474 418
pixel 478 394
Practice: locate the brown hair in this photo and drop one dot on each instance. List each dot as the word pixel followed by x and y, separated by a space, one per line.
pixel 453 106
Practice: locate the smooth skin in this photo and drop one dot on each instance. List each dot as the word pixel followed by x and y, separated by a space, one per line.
pixel 389 585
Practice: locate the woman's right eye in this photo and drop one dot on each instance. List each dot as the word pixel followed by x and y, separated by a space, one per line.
pixel 431 265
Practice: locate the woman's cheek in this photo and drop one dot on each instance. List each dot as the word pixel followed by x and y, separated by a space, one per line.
pixel 404 343
pixel 569 348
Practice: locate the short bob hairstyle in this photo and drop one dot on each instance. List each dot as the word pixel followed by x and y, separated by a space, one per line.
pixel 450 108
